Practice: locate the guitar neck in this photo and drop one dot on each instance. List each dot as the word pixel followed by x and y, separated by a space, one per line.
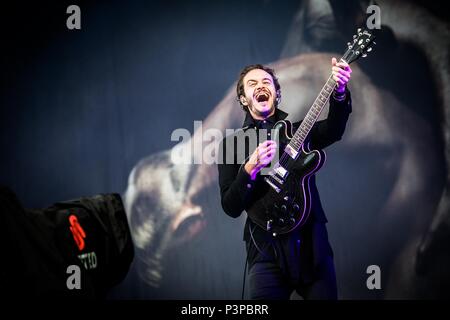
pixel 313 114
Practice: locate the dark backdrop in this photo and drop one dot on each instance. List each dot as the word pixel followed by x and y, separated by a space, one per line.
pixel 79 108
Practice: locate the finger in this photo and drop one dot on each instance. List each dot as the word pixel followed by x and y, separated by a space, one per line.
pixel 344 73
pixel 347 68
pixel 339 82
pixel 341 71
pixel 343 65
pixel 266 147
pixel 271 146
pixel 267 154
pixel 333 61
pixel 266 143
pixel 342 76
pixel 337 79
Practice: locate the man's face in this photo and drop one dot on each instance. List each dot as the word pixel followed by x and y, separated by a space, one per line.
pixel 260 94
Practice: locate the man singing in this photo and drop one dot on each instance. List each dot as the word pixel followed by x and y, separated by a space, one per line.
pixel 301 260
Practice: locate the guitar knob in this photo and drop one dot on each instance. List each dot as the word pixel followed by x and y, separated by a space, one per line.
pixel 283 208
pixel 281 221
pixel 292 220
pixel 296 207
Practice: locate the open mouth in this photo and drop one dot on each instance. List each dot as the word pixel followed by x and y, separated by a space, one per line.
pixel 262 96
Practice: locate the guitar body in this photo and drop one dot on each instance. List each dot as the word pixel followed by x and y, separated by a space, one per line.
pixel 286 201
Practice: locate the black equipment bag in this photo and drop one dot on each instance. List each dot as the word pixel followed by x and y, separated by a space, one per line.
pixel 48 250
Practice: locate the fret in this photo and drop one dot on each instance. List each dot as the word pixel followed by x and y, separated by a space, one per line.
pixel 295 139
pixel 319 105
pixel 329 87
pixel 309 121
pixel 296 145
pixel 314 108
pixel 309 117
pixel 298 139
pixel 323 98
pixel 314 115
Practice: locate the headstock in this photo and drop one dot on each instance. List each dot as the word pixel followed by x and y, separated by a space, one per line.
pixel 361 45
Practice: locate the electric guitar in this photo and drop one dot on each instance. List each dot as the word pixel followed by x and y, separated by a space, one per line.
pixel 286 204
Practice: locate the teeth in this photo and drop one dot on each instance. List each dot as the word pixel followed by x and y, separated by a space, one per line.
pixel 262 96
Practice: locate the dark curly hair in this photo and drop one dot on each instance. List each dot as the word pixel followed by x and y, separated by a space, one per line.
pixel 240 85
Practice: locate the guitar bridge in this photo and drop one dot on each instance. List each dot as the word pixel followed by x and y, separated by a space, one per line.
pixel 281 171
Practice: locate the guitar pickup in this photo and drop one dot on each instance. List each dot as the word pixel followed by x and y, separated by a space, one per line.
pixel 281 171
pixel 291 152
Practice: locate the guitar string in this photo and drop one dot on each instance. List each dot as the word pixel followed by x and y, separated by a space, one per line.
pixel 285 157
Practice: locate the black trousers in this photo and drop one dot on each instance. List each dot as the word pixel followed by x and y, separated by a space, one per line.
pixel 300 261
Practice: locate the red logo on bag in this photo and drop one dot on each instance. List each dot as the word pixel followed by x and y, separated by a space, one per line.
pixel 77 232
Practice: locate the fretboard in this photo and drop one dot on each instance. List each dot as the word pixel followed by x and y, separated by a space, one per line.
pixel 312 115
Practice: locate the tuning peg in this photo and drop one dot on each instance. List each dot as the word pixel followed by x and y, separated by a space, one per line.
pixel 364 55
pixel 362 46
pixel 357 52
pixel 360 41
pixel 354 36
pixel 359 30
pixel 369 49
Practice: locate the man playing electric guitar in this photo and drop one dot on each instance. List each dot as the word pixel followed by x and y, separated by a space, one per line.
pixel 301 258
